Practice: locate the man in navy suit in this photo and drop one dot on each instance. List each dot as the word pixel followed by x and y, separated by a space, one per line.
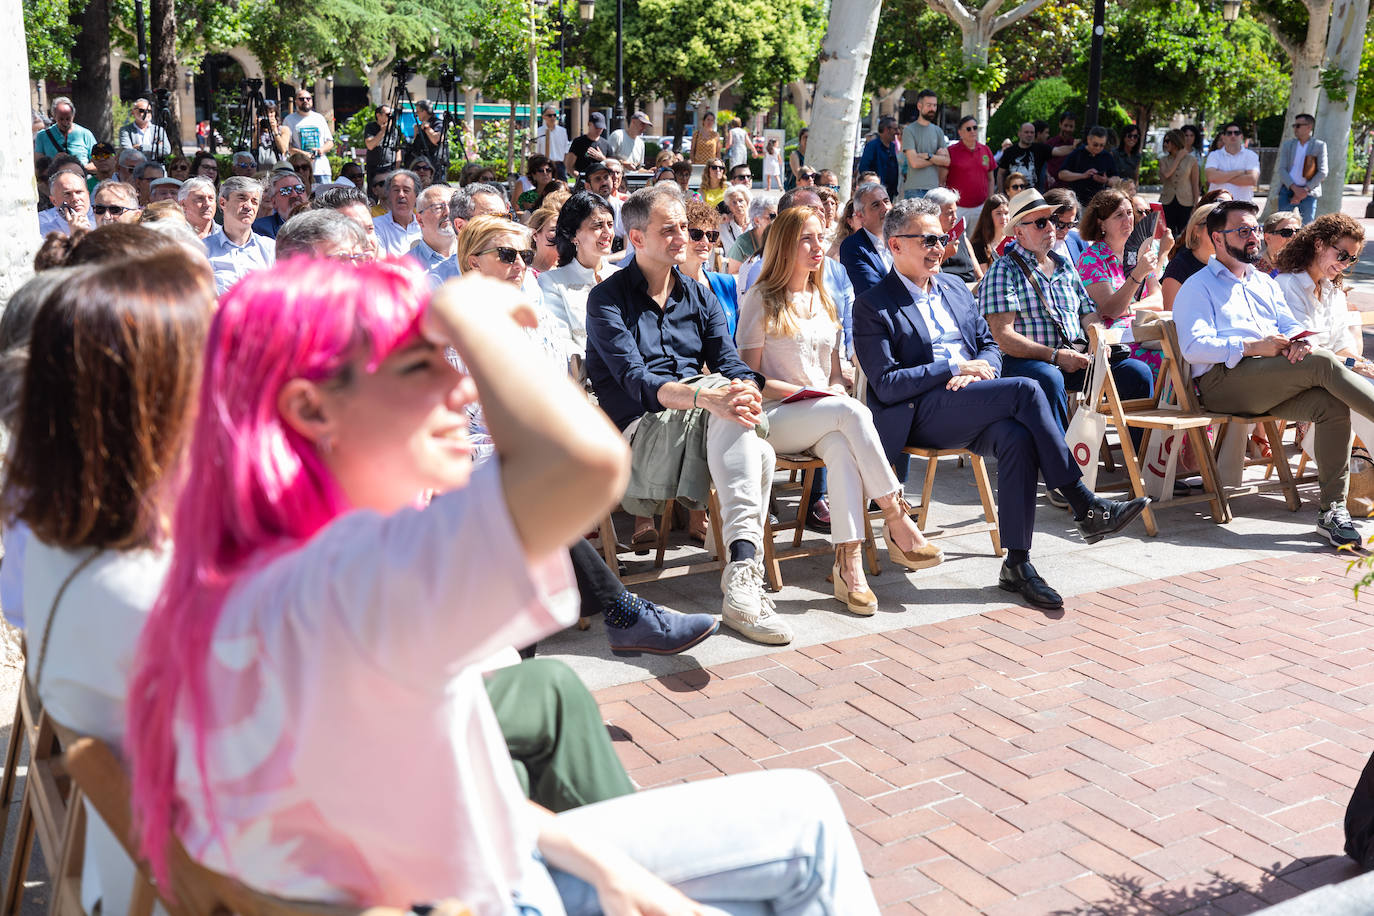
pixel 933 381
pixel 864 254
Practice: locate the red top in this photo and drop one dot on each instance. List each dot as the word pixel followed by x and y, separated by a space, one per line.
pixel 968 173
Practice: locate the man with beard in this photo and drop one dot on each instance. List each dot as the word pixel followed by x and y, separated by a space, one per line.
pixel 437 241
pixel 1235 329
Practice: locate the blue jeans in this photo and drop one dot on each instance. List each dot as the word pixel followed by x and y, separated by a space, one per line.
pixel 1307 207
pixel 773 842
pixel 1133 380
pixel 911 194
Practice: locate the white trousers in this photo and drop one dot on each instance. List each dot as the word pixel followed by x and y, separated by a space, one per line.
pixel 741 464
pixel 839 431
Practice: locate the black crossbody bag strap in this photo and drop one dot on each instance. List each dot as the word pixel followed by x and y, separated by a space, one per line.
pixel 1029 274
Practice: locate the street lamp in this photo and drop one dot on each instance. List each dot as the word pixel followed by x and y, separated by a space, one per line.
pixel 1230 10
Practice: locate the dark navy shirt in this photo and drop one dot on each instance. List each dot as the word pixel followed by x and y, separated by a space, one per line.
pixel 634 349
pixel 268 225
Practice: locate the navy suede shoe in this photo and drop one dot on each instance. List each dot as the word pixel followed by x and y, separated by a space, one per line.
pixel 660 631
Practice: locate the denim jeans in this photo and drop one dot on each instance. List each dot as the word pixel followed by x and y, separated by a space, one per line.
pixel 915 193
pixel 772 842
pixel 1307 207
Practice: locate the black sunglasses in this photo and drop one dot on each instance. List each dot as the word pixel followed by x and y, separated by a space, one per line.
pixel 508 255
pixel 1063 227
pixel 697 235
pixel 930 241
pixel 718 168
pixel 1286 233
pixel 112 209
pixel 1017 187
pixel 1344 256
pixel 1040 223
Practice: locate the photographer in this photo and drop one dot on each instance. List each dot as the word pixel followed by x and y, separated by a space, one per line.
pixel 429 132
pixel 271 140
pixel 310 134
pixel 379 158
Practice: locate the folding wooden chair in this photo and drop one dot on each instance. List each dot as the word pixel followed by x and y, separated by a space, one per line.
pixel 932 457
pixel 194 890
pixel 806 466
pixel 610 548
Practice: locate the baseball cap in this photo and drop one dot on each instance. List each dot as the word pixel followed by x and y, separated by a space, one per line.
pixel 641 116
pixel 597 166
pixel 164 183
pixel 597 119
pixel 102 149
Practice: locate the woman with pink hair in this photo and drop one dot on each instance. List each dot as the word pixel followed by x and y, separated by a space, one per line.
pixel 307 712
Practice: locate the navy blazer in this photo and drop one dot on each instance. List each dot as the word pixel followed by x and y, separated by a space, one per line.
pixel 894 349
pixel 861 261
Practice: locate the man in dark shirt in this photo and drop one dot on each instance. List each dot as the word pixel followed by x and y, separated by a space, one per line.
pixel 379 159
pixel 1061 146
pixel 590 147
pixel 648 328
pixel 1088 168
pixel 880 155
pixel 1025 157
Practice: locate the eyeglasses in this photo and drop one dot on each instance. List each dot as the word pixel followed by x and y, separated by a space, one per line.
pixel 1245 232
pixel 834 187
pixel 742 177
pixel 1040 223
pixel 143 111
pixel 360 258
pixel 1344 256
pixel 973 127
pixel 1286 233
pixel 930 241
pixel 290 190
pixel 544 170
pixel 1230 133
pixel 508 255
pixel 697 235
pixel 111 209
pixel 806 176
pixel 718 168
pixel 1016 187
pixel 1063 227
pixel 436 208
pixel 304 98
pixel 102 155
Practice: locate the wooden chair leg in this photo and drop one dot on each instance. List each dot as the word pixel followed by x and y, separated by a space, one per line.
pixel 1274 428
pixel 928 487
pixel 808 481
pixel 1128 458
pixel 665 527
pixel 1211 479
pixel 24 839
pixel 980 474
pixel 12 750
pixel 713 523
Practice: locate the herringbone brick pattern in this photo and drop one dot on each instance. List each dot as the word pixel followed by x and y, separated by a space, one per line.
pixel 1182 745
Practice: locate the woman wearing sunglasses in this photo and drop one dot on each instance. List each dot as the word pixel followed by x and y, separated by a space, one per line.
pixel 584 232
pixel 992 225
pixel 1107 222
pixel 789 332
pixel 1127 155
pixel 539 174
pixel 1278 229
pixel 713 183
pixel 1312 268
pixel 1013 183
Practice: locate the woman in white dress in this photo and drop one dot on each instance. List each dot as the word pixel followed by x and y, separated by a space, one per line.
pixel 585 232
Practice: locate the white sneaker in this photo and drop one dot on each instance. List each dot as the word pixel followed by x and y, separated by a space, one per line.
pixel 747 609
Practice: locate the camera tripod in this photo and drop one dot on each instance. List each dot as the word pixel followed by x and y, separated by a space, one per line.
pixel 248 112
pixel 162 125
pixel 393 140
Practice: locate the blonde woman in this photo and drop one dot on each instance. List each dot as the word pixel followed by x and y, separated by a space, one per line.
pixel 789 332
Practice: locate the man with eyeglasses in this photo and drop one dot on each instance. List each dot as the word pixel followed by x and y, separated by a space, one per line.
pixel 1236 331
pixel 64 136
pixel 310 134
pixel 880 155
pixel 1037 308
pixel 551 140
pixel 934 381
pixel 127 164
pixel 1090 168
pixel 286 191
pixel 924 146
pixel 864 254
pixel 397 228
pixel 1234 167
pixel 115 202
pixel 1302 169
pixel 972 170
pixel 142 134
pixel 235 249
pixel 438 242
pixel 741 175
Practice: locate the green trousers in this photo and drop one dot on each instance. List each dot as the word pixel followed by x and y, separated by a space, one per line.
pixel 563 756
pixel 1318 388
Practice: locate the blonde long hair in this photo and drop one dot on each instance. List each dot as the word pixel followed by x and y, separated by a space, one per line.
pixel 779 260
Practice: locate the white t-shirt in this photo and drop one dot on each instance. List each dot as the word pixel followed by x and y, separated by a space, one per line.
pixel 628 149
pixel 557 145
pixel 310 131
pixel 1295 171
pixel 352 752
pixel 393 237
pixel 1219 158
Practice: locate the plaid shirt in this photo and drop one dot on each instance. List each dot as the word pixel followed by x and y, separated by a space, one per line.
pixel 1006 289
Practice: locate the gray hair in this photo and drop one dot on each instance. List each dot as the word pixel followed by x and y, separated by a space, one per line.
pixel 758 206
pixel 942 197
pixel 462 204
pixel 398 173
pixel 430 195
pixel 904 211
pixel 142 169
pixel 59 102
pixel 178 230
pixel 131 158
pixel 634 213
pixel 302 232
pixel 194 184
pixel 736 190
pixel 16 323
pixel 122 188
pixel 238 183
pixel 280 174
pixel 865 189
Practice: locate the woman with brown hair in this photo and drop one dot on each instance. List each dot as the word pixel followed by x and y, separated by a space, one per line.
pixel 705 140
pixel 789 332
pixel 1107 222
pixel 713 183
pixel 1178 181
pixel 990 230
pixel 1312 270
pixel 542 223
pixel 1190 254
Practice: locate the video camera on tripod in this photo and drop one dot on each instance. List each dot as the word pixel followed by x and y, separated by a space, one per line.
pixel 248 112
pixel 162 124
pixel 394 142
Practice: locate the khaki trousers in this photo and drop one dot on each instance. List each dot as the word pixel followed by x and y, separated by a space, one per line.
pixel 1318 388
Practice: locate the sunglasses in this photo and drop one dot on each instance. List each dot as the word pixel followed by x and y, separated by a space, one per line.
pixel 508 255
pixel 290 190
pixel 304 98
pixel 748 178
pixel 1230 133
pixel 1016 187
pixel 1040 223
pixel 111 209
pixel 806 176
pixel 697 235
pixel 143 111
pixel 973 127
pixel 1286 233
pixel 1063 227
pixel 423 168
pixel 102 155
pixel 718 168
pixel 1345 257
pixel 930 241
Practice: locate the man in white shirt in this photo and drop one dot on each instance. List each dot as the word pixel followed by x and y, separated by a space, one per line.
pixel 397 229
pixel 310 134
pixel 236 249
pixel 71 203
pixel 627 145
pixel 1298 190
pixel 197 199
pixel 437 242
pixel 1233 167
pixel 1236 331
pixel 552 140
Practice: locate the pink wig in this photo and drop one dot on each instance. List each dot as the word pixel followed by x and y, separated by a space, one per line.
pixel 255 487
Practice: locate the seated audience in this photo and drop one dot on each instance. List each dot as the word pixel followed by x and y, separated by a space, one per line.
pixel 649 332
pixel 236 249
pixel 584 230
pixel 959 258
pixel 197 199
pixel 71 203
pixel 321 395
pixel 324 234
pixel 539 174
pixel 397 228
pixel 863 254
pixel 1312 268
pixel 1278 229
pixel 1037 310
pixel 543 222
pixel 1067 242
pixel 736 219
pixel 790 333
pixel 933 371
pixel 1235 329
pixel 437 241
pixel 991 227
pixel 762 210
pixel 1191 253
pixel 1108 222
pixel 352 203
pixel 702 262
pixel 163 189
pixel 113 201
pixel 285 191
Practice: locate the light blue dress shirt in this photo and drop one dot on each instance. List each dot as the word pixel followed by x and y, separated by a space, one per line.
pixel 231 262
pixel 1216 313
pixel 946 341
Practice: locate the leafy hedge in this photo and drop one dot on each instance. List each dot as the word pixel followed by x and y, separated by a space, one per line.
pixel 1045 100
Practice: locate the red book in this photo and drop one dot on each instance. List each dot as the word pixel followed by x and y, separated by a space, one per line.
pixel 807 394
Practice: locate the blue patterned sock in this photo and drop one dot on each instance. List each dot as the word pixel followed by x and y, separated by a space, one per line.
pixel 623 612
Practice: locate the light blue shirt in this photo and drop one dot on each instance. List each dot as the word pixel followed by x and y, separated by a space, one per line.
pixel 446 269
pixel 880 246
pixel 1217 313
pixel 232 262
pixel 837 284
pixel 431 261
pixel 946 341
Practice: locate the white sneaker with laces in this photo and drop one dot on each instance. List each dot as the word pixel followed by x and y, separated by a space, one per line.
pixel 747 609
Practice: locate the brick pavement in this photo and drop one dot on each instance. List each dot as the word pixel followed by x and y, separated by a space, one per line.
pixel 1183 745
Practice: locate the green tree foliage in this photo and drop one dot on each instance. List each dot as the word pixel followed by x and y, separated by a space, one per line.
pixel 1045 100
pixel 49 31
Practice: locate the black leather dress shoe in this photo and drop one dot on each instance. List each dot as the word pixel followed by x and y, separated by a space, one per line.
pixel 1026 582
pixel 1108 516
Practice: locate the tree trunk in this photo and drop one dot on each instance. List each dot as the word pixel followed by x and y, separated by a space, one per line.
pixel 977 26
pixel 1344 47
pixel 975 48
pixel 18 194
pixel 1368 166
pixel 91 53
pixel 1306 58
pixel 845 54
pixel 510 144
pixel 162 26
pixel 470 96
pixel 374 75
pixel 681 91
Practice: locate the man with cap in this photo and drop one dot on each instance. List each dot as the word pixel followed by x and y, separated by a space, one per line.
pixel 286 190
pixel 1037 309
pixel 244 164
pixel 598 179
pixel 103 159
pixel 590 147
pixel 935 381
pixel 163 189
pixel 141 133
pixel 551 140
pixel 627 145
